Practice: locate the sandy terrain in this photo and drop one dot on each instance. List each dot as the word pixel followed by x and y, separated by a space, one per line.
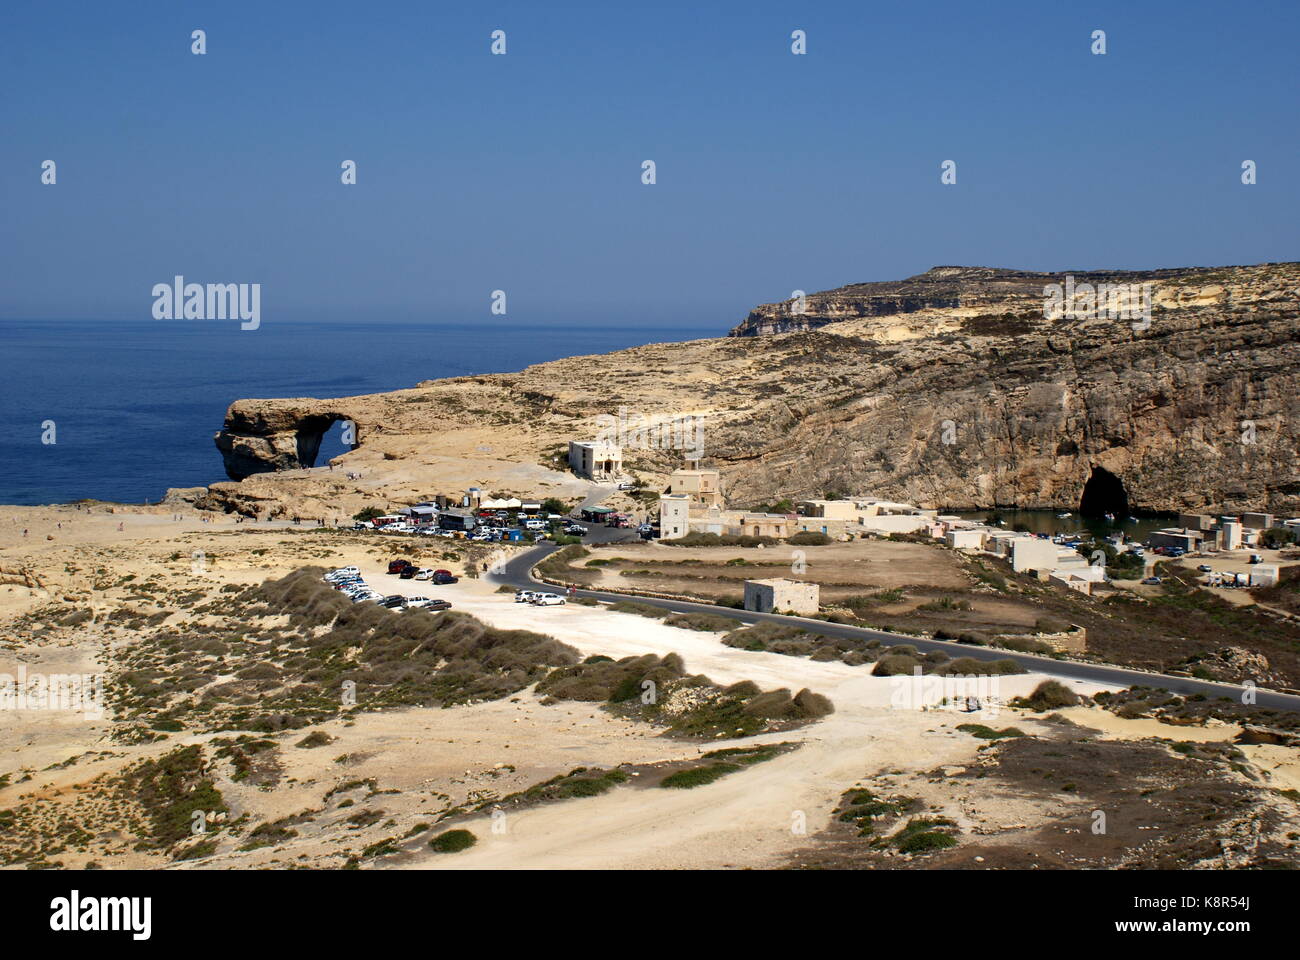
pixel 384 774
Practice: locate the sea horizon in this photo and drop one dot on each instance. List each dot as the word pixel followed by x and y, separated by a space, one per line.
pixel 134 416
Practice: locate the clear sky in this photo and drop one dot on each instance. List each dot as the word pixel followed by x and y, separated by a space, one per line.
pixel 523 172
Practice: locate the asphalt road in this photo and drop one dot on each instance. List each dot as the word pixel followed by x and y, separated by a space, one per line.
pixel 517 573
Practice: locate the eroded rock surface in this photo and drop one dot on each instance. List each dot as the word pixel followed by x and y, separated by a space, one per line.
pixel 953 391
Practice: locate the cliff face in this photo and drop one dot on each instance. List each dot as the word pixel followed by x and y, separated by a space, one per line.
pixel 939 288
pixel 904 396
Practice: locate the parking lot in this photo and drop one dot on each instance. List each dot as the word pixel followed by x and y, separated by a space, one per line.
pixel 429 589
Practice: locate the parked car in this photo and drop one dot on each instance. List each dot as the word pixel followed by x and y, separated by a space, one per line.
pixel 409 571
pixel 627 485
pixel 366 597
pixel 526 596
pixel 1204 568
pixel 549 600
pixel 343 570
pixel 424 573
pixel 424 603
pixel 576 530
pixel 443 577
pixel 397 566
pixel 1256 558
pixel 1152 581
pixel 534 524
pixel 393 602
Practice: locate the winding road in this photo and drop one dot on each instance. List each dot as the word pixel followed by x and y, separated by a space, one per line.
pixel 517 573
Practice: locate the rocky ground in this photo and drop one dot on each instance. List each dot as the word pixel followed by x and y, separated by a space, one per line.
pixel 229 737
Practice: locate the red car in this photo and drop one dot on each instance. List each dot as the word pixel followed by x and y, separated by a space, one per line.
pixel 397 566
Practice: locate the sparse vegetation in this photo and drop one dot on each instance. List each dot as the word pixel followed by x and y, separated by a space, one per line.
pixel 452 841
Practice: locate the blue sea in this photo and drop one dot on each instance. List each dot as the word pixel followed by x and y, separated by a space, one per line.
pixel 135 405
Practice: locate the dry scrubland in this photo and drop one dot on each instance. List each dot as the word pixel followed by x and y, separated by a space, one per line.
pixel 503 735
pixel 912 587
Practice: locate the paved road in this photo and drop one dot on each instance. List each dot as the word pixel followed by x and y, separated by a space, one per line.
pixel 517 573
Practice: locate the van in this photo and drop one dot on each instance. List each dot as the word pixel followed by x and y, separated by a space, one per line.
pixel 534 524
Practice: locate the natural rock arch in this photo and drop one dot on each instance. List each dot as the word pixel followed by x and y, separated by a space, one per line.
pixel 261 439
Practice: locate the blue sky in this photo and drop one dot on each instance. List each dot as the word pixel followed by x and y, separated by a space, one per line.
pixel 522 172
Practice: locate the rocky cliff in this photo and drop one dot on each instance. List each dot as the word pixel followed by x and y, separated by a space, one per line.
pixel 952 389
pixel 939 288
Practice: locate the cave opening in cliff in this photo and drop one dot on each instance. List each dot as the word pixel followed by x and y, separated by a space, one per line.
pixel 1103 493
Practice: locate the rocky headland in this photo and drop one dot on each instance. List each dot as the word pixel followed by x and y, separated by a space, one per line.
pixel 954 388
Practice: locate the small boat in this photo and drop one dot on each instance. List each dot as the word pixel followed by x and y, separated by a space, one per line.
pixel 1064 516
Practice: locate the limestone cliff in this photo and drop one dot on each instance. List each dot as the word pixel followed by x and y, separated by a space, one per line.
pixel 957 392
pixel 985 289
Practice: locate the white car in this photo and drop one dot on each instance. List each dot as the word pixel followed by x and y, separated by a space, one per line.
pixel 424 573
pixel 526 596
pixel 548 600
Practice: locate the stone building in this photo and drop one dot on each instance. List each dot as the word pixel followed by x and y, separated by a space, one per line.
pixel 782 595
pixel 702 486
pixel 596 459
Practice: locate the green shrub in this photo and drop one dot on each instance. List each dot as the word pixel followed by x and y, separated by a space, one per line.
pixel 926 840
pixel 452 841
pixel 706 622
pixel 698 776
pixel 810 538
pixel 1048 695
pixel 988 733
pixel 640 609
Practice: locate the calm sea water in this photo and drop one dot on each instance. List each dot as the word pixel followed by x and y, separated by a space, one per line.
pixel 135 405
pixel 1047 521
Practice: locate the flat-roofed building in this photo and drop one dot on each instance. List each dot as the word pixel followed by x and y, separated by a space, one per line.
pixel 1072 580
pixel 781 595
pixel 830 509
pixel 1032 553
pixel 1264 575
pixel 596 459
pixel 674 516
pixel 835 528
pixel 742 524
pixel 1180 537
pixel 888 523
pixel 702 486
pixel 1257 521
pixel 965 538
